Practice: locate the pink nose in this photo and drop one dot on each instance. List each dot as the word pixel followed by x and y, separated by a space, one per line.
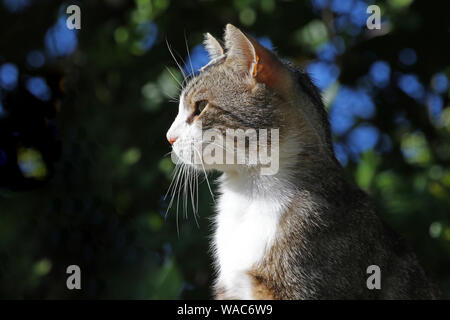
pixel 172 140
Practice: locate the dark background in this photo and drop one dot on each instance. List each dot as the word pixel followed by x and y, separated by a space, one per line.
pixel 83 116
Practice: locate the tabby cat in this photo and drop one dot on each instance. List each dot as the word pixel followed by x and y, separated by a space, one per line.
pixel 305 232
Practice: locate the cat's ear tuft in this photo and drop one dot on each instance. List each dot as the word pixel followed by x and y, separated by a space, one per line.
pixel 257 61
pixel 212 46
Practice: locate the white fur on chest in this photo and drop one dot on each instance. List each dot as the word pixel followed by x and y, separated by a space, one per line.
pixel 245 230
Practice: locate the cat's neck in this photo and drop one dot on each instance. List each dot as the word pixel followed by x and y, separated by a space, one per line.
pixel 254 186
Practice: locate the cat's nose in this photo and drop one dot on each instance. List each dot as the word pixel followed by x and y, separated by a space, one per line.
pixel 172 140
pixel 171 135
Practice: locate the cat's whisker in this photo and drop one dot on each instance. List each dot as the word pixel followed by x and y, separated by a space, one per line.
pixel 196 215
pixel 191 187
pixel 185 191
pixel 175 171
pixel 187 77
pixel 185 178
pixel 195 193
pixel 175 78
pixel 189 55
pixel 192 183
pixel 170 97
pixel 204 171
pixel 178 200
pixel 176 61
pixel 169 206
pixel 166 154
pixel 174 187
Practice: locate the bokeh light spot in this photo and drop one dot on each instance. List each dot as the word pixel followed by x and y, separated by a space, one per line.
pixel 380 73
pixel 35 59
pixel 9 75
pixel 39 88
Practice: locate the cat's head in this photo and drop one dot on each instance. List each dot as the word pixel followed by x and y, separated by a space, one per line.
pixel 246 86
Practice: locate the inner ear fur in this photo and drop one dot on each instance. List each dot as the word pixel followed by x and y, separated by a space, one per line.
pixel 212 46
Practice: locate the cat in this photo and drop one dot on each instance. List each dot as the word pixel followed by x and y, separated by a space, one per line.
pixel 305 232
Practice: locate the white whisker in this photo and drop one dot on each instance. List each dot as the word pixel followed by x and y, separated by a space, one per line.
pixel 176 61
pixel 206 175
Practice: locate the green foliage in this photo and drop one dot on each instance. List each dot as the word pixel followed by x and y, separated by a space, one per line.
pixel 102 206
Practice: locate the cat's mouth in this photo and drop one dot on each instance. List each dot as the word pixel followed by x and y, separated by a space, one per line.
pixel 187 152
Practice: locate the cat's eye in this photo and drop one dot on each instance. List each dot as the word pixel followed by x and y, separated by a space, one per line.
pixel 200 106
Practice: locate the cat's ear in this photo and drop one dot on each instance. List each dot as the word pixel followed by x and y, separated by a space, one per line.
pixel 240 49
pixel 212 46
pixel 257 61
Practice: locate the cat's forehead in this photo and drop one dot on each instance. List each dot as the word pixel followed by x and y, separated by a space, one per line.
pixel 208 78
